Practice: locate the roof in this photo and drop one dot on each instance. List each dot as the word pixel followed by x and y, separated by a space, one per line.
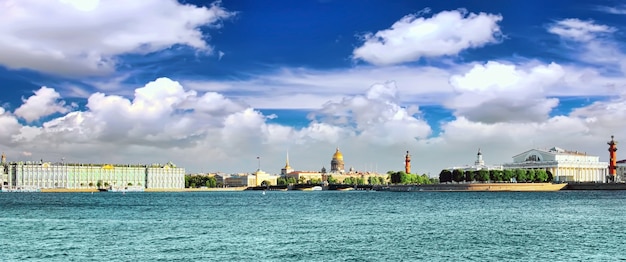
pixel 555 151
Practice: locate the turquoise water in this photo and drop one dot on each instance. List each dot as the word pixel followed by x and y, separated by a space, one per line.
pixel 313 226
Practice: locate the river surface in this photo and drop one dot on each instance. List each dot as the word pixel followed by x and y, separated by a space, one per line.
pixel 314 226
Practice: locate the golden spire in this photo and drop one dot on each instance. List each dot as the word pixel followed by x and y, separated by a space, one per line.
pixel 287 162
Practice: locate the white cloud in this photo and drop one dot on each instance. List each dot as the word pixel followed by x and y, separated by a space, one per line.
pixel 46 101
pixel 617 10
pixel 497 92
pixel 284 88
pixel 413 37
pixel 579 30
pixel 74 38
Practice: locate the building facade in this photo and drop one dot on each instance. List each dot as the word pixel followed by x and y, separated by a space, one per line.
pixel 564 165
pixel 45 175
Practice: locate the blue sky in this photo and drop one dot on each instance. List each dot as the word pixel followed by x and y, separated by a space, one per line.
pixel 211 85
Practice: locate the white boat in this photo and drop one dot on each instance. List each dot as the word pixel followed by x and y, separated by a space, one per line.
pixel 316 188
pixel 127 189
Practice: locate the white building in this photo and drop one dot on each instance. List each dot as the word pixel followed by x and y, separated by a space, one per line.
pixel 479 164
pixel 45 175
pixel 565 166
pixel 620 172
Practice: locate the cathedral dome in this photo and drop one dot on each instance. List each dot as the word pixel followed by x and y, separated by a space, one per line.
pixel 338 155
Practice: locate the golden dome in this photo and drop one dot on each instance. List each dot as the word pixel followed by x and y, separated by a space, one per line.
pixel 338 155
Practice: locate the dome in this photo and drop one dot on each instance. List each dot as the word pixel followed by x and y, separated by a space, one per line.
pixel 338 155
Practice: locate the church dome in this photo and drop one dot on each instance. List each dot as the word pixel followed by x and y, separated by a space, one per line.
pixel 338 155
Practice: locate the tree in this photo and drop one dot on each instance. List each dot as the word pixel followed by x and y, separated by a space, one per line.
pixel 130 184
pixel 495 175
pixel 470 175
pixel 530 175
pixel 445 176
pixel 483 175
pixel 331 180
pixel 520 175
pixel 360 181
pixel 541 175
pixel 266 183
pixel 211 182
pixel 281 181
pixel 348 181
pixel 291 180
pixel 458 175
pixel 507 175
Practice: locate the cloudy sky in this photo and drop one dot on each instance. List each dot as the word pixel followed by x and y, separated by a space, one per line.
pixel 212 85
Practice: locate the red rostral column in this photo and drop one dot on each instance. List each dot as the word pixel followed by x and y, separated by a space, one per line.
pixel 613 159
pixel 407 163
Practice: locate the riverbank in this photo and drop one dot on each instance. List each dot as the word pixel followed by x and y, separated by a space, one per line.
pixel 92 190
pixel 494 187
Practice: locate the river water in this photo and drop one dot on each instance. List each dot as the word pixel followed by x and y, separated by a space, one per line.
pixel 314 226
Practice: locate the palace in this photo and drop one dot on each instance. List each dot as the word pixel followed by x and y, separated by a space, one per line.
pixel 46 175
pixel 564 165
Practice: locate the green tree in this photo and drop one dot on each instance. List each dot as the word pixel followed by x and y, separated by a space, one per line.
pixel 348 181
pixel 458 175
pixel 483 175
pixel 541 175
pixel 520 175
pixel 507 175
pixel 470 175
pixel 211 182
pixel 445 176
pixel 530 175
pixel 495 175
pixel 266 183
pixel 291 180
pixel 360 181
pixel 281 181
pixel 331 180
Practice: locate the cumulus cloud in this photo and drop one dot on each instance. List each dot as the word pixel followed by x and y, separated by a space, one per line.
pixel 46 101
pixel 443 34
pixel 74 38
pixel 375 116
pixel 497 92
pixel 579 30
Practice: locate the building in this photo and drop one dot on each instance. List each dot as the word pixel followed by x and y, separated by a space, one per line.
pixel 306 176
pixel 46 175
pixel 479 164
pixel 336 164
pixel 564 165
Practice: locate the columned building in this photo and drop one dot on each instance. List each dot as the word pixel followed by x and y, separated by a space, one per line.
pixel 565 166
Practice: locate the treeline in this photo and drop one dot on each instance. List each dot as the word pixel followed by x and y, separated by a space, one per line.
pixel 402 177
pixel 195 181
pixel 372 180
pixel 519 175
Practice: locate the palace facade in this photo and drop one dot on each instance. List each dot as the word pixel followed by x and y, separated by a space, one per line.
pixel 46 175
pixel 565 166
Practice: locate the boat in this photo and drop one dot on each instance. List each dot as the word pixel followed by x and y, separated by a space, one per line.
pixel 126 189
pixel 20 189
pixel 317 188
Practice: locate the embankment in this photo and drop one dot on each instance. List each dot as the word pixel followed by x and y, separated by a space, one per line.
pixel 495 187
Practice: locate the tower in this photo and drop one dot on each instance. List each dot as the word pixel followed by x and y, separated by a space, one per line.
pixel 287 169
pixel 612 159
pixel 479 159
pixel 336 164
pixel 407 163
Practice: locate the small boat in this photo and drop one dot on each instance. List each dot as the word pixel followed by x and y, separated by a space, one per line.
pixel 316 188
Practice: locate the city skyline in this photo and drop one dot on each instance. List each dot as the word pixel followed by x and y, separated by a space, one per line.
pixel 212 85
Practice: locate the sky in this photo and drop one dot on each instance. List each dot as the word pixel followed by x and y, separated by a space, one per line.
pixel 228 86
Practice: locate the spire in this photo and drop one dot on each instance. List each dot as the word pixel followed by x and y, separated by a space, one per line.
pixel 287 162
pixel 4 158
pixel 479 159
